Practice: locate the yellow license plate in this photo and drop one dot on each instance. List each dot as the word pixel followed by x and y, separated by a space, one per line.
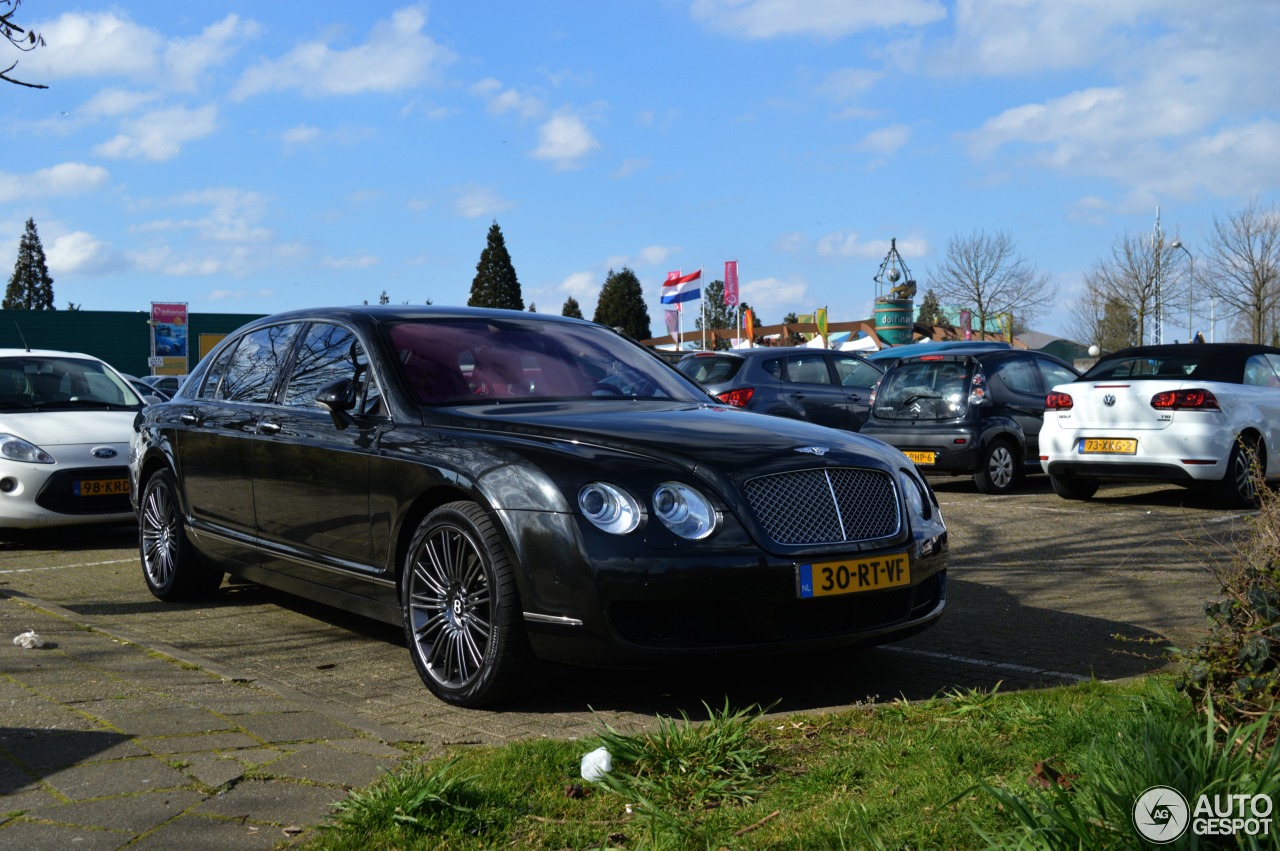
pixel 921 457
pixel 1105 446
pixel 828 578
pixel 101 487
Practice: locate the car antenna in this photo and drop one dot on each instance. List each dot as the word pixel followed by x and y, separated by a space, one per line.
pixel 22 336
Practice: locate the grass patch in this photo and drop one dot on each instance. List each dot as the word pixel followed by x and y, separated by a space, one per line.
pixel 961 771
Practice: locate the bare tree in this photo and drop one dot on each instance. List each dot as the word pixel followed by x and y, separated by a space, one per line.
pixel 20 37
pixel 1242 269
pixel 984 272
pixel 1110 323
pixel 1144 276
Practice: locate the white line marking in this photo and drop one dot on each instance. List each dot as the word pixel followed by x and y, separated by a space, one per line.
pixel 987 663
pixel 66 566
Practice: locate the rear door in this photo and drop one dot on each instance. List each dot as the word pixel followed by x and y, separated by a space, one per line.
pixel 811 392
pixel 216 435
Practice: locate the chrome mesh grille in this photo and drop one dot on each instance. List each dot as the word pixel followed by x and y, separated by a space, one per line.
pixel 825 506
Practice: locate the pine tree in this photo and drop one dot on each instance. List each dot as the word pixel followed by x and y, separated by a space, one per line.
pixel 571 308
pixel 930 310
pixel 30 288
pixel 495 284
pixel 621 304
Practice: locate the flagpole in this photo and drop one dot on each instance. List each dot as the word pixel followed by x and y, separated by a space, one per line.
pixel 702 303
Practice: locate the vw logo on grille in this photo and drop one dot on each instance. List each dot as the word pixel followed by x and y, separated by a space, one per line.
pixel 104 452
pixel 1109 399
pixel 813 450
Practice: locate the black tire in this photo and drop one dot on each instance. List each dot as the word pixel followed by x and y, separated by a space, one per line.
pixel 171 567
pixel 998 467
pixel 462 616
pixel 1245 468
pixel 1069 487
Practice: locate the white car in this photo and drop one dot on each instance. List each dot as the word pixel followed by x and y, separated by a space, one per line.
pixel 1203 414
pixel 66 422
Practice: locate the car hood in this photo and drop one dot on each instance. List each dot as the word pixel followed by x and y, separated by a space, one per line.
pixel 66 428
pixel 684 434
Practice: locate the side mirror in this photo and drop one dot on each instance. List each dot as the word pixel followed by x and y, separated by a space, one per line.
pixel 338 397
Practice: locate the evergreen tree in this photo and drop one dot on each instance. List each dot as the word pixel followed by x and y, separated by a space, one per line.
pixel 533 308
pixel 495 284
pixel 384 298
pixel 30 288
pixel 621 304
pixel 930 310
pixel 571 308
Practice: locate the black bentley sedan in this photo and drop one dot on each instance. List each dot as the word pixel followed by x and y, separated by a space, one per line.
pixel 519 488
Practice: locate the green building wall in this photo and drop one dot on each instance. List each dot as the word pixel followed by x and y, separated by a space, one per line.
pixel 121 338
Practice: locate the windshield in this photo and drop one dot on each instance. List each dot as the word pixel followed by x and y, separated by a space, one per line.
pixel 924 390
pixel 464 360
pixel 43 382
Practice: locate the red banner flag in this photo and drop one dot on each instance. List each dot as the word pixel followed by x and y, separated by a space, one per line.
pixel 731 282
pixel 692 276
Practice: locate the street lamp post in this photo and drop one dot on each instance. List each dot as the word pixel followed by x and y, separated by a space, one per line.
pixel 1177 243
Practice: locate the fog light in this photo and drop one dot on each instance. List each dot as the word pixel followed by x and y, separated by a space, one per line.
pixel 8 484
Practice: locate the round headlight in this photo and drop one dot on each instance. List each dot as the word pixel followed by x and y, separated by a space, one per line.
pixel 684 511
pixel 610 508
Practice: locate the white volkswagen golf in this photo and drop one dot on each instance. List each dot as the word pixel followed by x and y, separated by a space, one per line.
pixel 1203 414
pixel 66 421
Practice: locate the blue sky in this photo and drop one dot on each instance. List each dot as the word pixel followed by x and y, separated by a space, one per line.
pixel 254 157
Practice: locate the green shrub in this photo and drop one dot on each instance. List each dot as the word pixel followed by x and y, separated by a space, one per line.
pixel 1236 667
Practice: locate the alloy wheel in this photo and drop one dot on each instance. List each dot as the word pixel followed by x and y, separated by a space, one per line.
pixel 451 607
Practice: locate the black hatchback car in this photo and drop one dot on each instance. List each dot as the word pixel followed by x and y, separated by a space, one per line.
pixel 818 385
pixel 515 488
pixel 971 413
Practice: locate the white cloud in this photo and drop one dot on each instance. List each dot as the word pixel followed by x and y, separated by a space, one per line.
pixel 93 44
pixel 80 253
pixel 843 244
pixel 773 293
pixel 565 140
pixel 300 134
pixel 232 216
pixel 359 261
pixel 655 254
pixel 630 167
pixel 61 179
pixel 886 140
pixel 238 295
pixel 397 55
pixel 583 286
pixel 160 135
pixel 187 59
pixel 500 100
pixel 113 103
pixel 479 201
pixel 825 19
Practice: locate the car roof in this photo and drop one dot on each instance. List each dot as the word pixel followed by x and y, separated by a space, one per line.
pixel 45 353
pixel 768 351
pixel 896 352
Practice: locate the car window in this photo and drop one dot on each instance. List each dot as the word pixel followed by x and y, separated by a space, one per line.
pixel 924 389
pixel 326 354
pixel 252 369
pixel 41 381
pixel 808 369
pixel 1260 372
pixel 1146 366
pixel 460 360
pixel 1054 373
pixel 773 367
pixel 1019 375
pixel 710 370
pixel 855 372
